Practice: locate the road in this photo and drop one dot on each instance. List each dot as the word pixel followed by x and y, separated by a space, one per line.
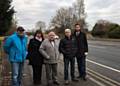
pixel 103 62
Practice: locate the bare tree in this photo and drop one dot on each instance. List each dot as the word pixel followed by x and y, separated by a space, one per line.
pixel 66 17
pixel 40 25
pixel 79 9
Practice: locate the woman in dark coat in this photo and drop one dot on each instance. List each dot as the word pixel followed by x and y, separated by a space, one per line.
pixel 35 57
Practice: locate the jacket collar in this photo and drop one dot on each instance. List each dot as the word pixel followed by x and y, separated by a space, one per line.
pixel 68 38
pixel 15 33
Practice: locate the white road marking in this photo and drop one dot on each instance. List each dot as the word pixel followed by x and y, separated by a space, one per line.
pixel 102 47
pixel 97 82
pixel 110 68
pixel 104 77
pixel 107 82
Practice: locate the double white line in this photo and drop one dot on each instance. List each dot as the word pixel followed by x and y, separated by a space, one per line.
pixel 102 78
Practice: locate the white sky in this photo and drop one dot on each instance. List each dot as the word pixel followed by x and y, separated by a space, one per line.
pixel 31 11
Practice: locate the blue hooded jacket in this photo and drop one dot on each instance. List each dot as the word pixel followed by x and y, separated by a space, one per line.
pixel 16 48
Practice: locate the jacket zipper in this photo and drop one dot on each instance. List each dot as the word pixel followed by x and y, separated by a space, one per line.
pixel 14 55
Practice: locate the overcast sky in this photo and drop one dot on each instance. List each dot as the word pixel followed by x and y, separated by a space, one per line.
pixel 31 11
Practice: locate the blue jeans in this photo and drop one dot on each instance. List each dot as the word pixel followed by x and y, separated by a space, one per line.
pixel 17 68
pixel 68 61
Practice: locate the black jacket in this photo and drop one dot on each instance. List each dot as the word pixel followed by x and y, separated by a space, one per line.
pixel 81 43
pixel 34 56
pixel 68 47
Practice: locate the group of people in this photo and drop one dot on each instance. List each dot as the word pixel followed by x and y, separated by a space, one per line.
pixel 47 51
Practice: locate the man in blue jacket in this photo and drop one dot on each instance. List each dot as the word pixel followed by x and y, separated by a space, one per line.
pixel 16 48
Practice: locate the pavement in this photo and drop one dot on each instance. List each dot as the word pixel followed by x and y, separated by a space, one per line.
pixel 27 76
pixel 27 80
pixel 6 72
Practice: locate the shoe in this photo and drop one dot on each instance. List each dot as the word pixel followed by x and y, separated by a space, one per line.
pixel 75 80
pixel 66 82
pixel 56 82
pixel 37 83
pixel 49 84
pixel 79 77
pixel 84 78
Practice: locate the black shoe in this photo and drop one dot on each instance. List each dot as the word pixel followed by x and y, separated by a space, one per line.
pixel 84 78
pixel 49 84
pixel 56 82
pixel 79 77
pixel 75 80
pixel 37 83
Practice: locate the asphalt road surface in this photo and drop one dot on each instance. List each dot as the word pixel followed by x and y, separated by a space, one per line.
pixel 103 62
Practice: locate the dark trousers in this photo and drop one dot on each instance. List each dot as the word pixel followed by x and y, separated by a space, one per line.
pixel 81 62
pixel 37 72
pixel 68 61
pixel 51 72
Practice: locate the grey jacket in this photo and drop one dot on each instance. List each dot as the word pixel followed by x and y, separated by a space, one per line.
pixel 50 53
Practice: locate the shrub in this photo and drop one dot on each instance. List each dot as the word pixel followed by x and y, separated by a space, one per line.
pixel 115 33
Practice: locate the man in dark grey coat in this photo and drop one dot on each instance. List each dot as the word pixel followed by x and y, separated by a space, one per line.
pixel 49 49
pixel 82 51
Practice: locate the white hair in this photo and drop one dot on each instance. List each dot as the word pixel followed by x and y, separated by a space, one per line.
pixel 67 30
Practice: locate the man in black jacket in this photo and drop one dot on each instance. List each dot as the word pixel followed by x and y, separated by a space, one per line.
pixel 82 51
pixel 69 49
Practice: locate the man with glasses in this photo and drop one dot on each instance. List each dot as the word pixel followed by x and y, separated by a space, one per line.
pixel 49 49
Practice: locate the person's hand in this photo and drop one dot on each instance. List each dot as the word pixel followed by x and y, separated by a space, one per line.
pixel 48 57
pixel 86 53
